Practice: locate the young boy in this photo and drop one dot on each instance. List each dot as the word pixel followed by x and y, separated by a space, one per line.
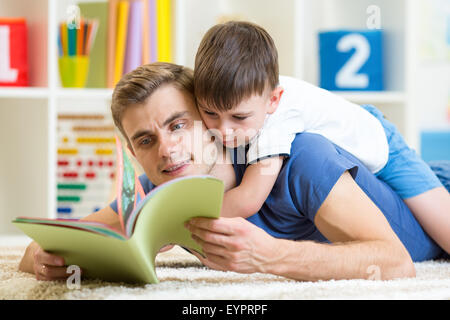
pixel 240 93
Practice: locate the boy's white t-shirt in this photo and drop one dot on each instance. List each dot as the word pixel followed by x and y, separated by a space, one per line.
pixel 306 108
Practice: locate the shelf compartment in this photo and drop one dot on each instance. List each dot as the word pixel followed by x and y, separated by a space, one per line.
pixel 24 92
pixel 105 94
pixel 373 97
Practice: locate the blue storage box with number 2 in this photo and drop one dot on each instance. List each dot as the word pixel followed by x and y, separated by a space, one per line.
pixel 351 60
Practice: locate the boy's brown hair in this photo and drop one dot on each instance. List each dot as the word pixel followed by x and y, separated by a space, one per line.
pixel 234 61
pixel 138 85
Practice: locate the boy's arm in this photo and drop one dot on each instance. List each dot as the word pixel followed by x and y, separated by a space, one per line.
pixel 48 266
pixel 223 168
pixel 247 198
pixel 224 172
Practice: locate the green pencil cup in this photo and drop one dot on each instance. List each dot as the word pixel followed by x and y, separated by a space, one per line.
pixel 73 71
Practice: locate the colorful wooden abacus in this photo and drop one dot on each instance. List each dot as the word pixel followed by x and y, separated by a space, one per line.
pixel 86 164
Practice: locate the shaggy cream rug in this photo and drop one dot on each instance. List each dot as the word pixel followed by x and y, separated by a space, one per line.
pixel 182 276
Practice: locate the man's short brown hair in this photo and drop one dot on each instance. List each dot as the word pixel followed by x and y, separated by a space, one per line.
pixel 138 85
pixel 234 61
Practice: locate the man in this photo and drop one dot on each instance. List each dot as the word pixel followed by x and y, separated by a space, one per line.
pixel 322 195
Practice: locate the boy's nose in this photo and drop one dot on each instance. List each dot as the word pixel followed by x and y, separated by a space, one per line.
pixel 225 130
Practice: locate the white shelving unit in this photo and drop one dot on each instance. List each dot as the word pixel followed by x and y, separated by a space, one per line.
pixel 28 116
pixel 294 25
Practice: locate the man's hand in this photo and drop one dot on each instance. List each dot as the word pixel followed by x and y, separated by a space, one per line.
pixel 233 244
pixel 47 266
pixel 44 265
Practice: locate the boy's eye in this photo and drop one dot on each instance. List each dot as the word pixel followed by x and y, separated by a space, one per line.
pixel 240 117
pixel 210 113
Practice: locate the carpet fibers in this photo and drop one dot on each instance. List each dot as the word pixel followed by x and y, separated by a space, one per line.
pixel 182 276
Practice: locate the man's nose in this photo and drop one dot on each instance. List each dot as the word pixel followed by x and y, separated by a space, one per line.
pixel 167 145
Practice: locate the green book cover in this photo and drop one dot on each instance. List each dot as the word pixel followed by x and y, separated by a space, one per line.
pixel 97 65
pixel 113 255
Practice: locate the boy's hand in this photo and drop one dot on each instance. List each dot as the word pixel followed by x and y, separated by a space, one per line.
pixel 166 248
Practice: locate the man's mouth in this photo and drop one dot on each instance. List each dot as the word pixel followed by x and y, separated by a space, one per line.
pixel 175 169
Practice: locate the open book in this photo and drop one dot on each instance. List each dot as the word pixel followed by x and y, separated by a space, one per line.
pixel 148 224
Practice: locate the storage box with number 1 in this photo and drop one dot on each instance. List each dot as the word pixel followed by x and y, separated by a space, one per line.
pixel 351 60
pixel 13 52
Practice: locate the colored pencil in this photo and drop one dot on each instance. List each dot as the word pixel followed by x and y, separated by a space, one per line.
pixel 72 40
pixel 80 38
pixel 91 36
pixel 85 30
pixel 60 49
pixel 64 44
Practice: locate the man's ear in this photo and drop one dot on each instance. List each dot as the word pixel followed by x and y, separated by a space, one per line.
pixel 131 149
pixel 275 97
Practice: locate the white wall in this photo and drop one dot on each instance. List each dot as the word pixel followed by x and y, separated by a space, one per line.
pixel 431 77
pixel 23 161
pixel 433 96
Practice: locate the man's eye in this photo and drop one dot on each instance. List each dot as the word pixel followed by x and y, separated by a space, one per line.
pixel 145 141
pixel 178 126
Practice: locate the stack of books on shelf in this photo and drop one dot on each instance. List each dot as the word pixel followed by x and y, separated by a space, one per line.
pixel 130 33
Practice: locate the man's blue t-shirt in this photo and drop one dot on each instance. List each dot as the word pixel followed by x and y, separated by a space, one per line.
pixel 304 182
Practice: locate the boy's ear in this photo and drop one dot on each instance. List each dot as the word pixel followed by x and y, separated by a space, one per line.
pixel 131 149
pixel 275 97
